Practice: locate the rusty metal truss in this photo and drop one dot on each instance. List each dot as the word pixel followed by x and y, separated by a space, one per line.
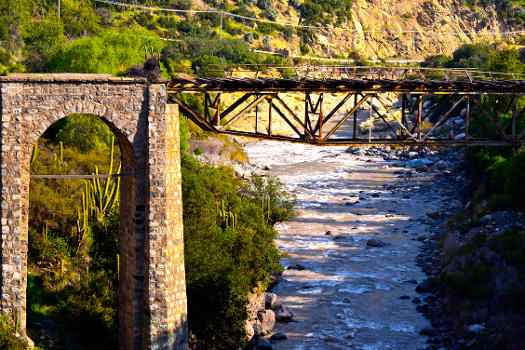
pixel 409 110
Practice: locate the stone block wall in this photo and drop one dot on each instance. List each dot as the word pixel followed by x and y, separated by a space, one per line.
pixel 152 300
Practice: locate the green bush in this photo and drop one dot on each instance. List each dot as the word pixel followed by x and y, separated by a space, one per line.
pixel 43 39
pixel 508 177
pixel 326 11
pixel 113 51
pixel 435 61
pixel 226 257
pixel 8 340
pixel 208 66
pixel 86 133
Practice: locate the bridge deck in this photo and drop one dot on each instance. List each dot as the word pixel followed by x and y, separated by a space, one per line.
pixel 434 86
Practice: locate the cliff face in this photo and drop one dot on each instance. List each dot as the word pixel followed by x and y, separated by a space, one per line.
pixel 442 26
pixel 376 28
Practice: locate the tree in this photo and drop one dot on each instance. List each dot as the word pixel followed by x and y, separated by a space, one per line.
pixel 13 15
pixel 43 40
pixel 79 18
pixel 112 51
pixel 507 61
pixel 470 56
pixel 85 133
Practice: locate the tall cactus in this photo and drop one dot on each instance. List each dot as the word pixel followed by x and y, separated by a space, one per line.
pixel 101 197
pixel 34 154
pixel 227 218
pixel 83 220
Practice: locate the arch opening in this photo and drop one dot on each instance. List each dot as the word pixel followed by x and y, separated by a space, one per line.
pixel 81 261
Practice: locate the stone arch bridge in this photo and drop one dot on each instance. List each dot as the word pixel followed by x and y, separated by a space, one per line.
pixel 152 298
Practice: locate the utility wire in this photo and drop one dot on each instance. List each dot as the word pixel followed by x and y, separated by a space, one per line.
pixel 117 3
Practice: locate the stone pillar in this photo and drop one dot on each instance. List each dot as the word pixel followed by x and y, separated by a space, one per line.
pixel 14 185
pixel 166 325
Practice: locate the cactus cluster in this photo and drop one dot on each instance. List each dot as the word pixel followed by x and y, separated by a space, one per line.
pixel 266 203
pixel 98 199
pixel 227 218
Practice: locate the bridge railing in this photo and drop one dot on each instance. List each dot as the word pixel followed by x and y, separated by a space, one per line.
pixel 313 71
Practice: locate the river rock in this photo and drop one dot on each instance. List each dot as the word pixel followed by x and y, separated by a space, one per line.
pixel 296 267
pixel 267 319
pixel 250 332
pixel 422 168
pixel 279 336
pixel 430 331
pixel 416 163
pixel 282 313
pixel 440 165
pixel 343 237
pixel 257 327
pixel 475 328
pixel 426 287
pixel 270 299
pixel 374 242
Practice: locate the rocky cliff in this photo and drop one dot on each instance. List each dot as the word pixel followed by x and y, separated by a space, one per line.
pixel 380 29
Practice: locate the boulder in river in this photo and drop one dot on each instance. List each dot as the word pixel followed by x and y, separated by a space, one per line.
pixel 296 267
pixel 475 328
pixel 426 286
pixel 267 319
pixel 250 332
pixel 279 336
pixel 430 331
pixel 343 237
pixel 282 313
pixel 374 242
pixel 416 163
pixel 270 299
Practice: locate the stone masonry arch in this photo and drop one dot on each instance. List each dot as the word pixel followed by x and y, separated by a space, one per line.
pixel 152 303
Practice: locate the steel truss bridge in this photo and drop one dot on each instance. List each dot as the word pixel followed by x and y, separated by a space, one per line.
pixel 491 105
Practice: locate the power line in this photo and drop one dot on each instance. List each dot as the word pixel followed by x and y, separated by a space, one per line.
pixel 220 12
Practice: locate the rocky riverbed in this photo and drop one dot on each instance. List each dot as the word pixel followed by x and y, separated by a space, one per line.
pixel 351 254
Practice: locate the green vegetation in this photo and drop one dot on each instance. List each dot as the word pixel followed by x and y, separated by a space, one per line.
pixel 227 256
pixel 512 11
pixel 496 172
pixel 326 11
pixel 8 340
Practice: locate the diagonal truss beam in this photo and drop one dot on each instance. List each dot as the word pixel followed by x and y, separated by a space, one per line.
pixel 443 117
pixel 248 105
pixel 346 116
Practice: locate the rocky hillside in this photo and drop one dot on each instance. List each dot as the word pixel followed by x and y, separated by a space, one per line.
pixel 383 29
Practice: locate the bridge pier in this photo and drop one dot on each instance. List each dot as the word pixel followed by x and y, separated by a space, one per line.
pixel 152 297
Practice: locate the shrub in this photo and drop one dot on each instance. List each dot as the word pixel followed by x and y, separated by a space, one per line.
pixel 435 61
pixel 113 51
pixel 8 339
pixel 208 66
pixel 86 133
pixel 224 256
pixel 508 177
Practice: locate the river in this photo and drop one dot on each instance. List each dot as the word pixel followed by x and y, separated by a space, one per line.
pixel 348 295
